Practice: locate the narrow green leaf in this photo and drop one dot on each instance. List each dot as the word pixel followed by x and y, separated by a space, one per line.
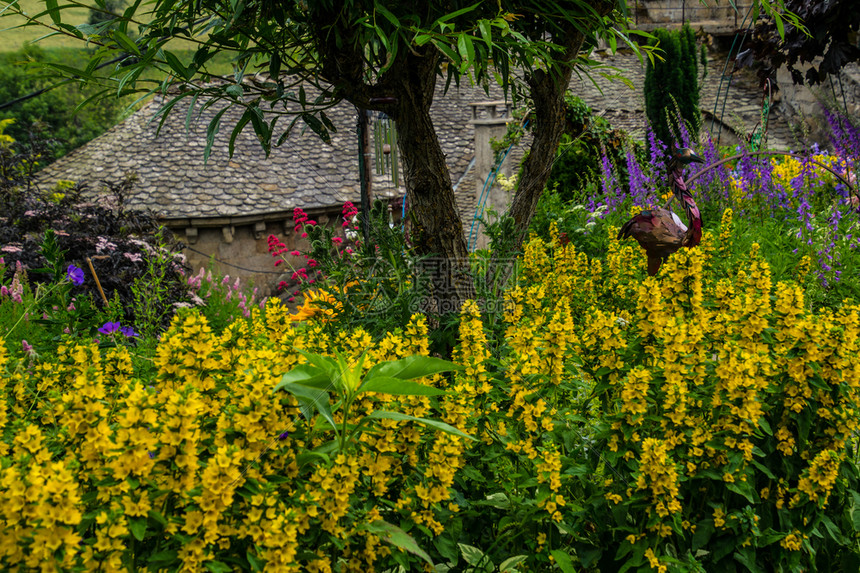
pixel 486 32
pixel 563 560
pixel 211 132
pixel 388 15
pixel 455 14
pixel 177 65
pixel 442 426
pixel 126 43
pixel 446 49
pixel 392 534
pixel 396 386
pixel 53 10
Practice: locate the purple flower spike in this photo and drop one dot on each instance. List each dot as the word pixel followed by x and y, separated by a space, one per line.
pixel 109 328
pixel 284 436
pixel 75 275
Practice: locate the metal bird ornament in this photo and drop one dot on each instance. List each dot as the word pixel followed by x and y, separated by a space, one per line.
pixel 660 231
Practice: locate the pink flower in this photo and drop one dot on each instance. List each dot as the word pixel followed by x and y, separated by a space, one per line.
pixel 311 222
pixel 336 240
pixel 295 253
pixel 291 299
pixel 304 235
pixel 312 263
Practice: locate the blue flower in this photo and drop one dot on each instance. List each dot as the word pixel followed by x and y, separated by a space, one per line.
pixel 128 332
pixel 75 275
pixel 109 328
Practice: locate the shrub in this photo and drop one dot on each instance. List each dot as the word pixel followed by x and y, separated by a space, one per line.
pixel 672 85
pixel 51 114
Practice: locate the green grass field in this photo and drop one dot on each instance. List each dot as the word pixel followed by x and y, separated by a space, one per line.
pixel 14 34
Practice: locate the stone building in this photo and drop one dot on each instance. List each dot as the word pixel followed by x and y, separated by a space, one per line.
pixel 224 209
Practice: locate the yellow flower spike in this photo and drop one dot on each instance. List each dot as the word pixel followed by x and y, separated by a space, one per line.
pixel 726 233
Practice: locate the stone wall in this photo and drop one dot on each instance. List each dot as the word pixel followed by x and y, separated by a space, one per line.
pixel 803 105
pixel 238 247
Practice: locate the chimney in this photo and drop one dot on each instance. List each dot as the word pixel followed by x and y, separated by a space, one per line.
pixel 490 120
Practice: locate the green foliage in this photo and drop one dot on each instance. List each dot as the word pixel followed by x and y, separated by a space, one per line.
pixel 586 139
pixel 151 290
pixel 672 85
pixel 310 384
pixel 51 114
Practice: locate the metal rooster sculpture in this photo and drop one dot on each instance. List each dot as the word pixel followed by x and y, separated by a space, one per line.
pixel 659 231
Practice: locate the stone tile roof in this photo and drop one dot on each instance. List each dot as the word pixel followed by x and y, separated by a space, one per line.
pixel 624 108
pixel 174 181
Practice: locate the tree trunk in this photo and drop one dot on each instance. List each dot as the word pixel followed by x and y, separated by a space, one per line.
pixel 437 227
pixel 547 92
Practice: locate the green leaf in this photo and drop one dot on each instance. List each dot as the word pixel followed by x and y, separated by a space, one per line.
pixel 324 363
pixel 256 563
pixel 764 469
pixel 218 567
pixel 743 488
pixel 307 375
pixel 388 15
pixel 126 43
pixel 497 500
pixel 392 534
pixel 312 397
pixel 211 132
pixel 442 426
pixel 486 32
pixel 236 91
pixel 704 531
pixel 389 385
pixel 446 49
pixel 510 563
pixel 415 366
pixel 471 554
pixel 53 10
pixel 137 525
pixel 455 14
pixel 156 516
pixel 563 560
pixel 177 66
pixel 746 557
pixel 162 559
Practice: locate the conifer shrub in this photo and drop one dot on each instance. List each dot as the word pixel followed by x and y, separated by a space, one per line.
pixel 672 85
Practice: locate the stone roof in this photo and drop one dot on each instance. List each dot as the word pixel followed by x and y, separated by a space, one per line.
pixel 174 181
pixel 733 100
